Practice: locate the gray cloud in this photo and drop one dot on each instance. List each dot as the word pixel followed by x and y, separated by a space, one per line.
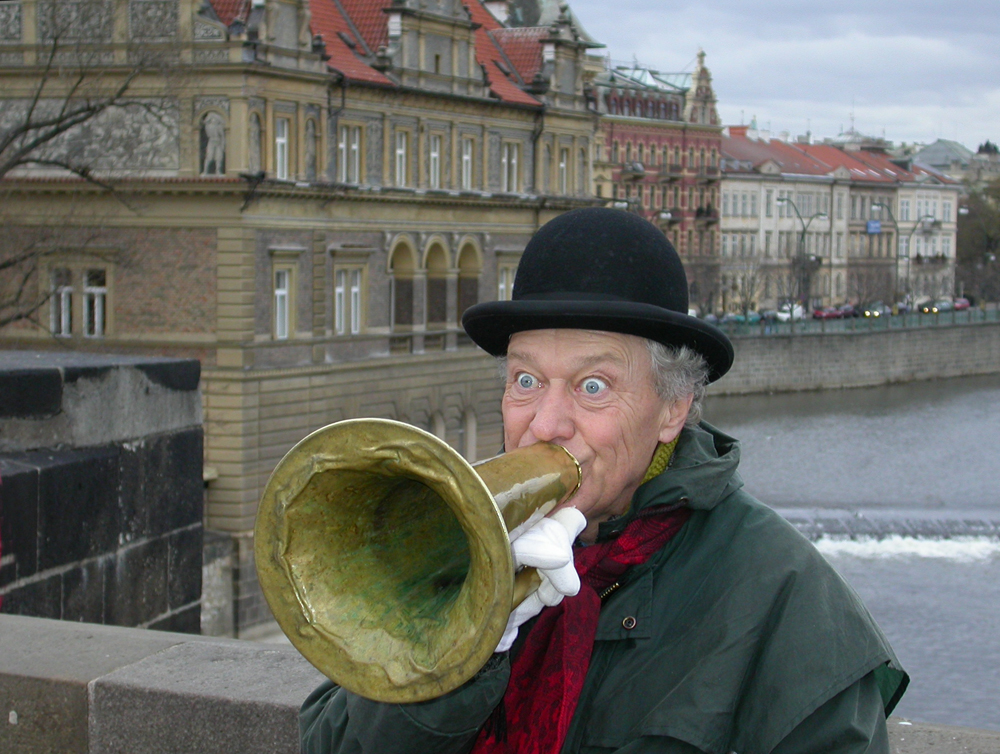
pixel 919 70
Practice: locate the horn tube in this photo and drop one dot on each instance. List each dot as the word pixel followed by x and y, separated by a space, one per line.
pixel 385 556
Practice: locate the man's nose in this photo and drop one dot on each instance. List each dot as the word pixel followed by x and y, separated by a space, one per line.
pixel 553 419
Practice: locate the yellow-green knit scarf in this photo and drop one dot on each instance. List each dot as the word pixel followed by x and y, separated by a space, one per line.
pixel 661 459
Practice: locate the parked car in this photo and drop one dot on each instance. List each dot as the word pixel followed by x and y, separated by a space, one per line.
pixel 936 307
pixel 961 304
pixel 876 309
pixel 738 318
pixel 787 311
pixel 848 310
pixel 903 308
pixel 711 319
pixel 828 312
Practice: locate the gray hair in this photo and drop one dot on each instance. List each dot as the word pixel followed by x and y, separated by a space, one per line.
pixel 677 373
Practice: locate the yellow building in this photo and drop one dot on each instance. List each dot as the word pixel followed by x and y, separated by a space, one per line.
pixel 303 195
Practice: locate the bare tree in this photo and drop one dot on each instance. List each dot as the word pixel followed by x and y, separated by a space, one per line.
pixel 870 283
pixel 977 267
pixel 79 107
pixel 749 282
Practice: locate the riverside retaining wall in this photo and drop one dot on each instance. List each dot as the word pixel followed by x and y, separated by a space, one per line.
pixel 77 688
pixel 811 361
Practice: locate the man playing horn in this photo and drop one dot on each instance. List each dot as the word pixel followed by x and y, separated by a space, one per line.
pixel 677 614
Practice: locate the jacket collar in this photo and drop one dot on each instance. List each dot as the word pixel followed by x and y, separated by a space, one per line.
pixel 702 472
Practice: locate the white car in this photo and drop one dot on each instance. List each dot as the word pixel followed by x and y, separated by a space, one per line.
pixel 787 311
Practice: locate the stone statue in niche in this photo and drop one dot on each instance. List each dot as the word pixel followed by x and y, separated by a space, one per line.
pixel 253 158
pixel 213 140
pixel 310 150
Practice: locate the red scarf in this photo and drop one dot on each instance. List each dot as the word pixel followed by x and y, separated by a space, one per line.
pixel 548 674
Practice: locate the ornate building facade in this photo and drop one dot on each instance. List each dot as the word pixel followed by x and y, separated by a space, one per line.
pixel 306 197
pixel 824 224
pixel 657 153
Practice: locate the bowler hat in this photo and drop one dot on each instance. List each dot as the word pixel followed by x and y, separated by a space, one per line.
pixel 600 269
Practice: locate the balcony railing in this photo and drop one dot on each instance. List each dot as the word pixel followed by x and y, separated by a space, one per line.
pixel 670 173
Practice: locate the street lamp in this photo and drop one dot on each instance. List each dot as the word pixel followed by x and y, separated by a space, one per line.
pixel 805 266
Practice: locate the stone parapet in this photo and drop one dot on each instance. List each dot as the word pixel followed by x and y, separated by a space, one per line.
pixel 78 688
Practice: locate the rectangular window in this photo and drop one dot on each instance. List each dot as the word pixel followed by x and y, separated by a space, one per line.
pixel 840 206
pixel 505 282
pixel 340 302
pixel 508 167
pixel 355 302
pixel 435 162
pixel 904 209
pixel 563 171
pixel 402 148
pixel 281 148
pixel 467 148
pixel 349 154
pixel 753 205
pixel 946 246
pixel 946 211
pixel 725 204
pixel 95 292
pixel 768 199
pixel 725 244
pixel 282 305
pixel 62 301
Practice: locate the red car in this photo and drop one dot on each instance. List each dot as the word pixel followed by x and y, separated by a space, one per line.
pixel 961 304
pixel 828 312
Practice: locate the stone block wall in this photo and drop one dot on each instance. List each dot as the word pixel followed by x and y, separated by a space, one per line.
pixel 816 361
pixel 101 500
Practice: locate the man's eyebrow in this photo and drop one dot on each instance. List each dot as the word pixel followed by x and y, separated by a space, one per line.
pixel 583 363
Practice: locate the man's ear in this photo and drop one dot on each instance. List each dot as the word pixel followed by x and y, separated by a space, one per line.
pixel 674 416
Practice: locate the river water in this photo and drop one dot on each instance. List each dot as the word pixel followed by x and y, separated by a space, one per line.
pixel 903 480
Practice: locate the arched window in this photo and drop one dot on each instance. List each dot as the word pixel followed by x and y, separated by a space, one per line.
pixel 614 151
pixel 469 268
pixel 402 267
pixel 612 105
pixel 626 110
pixel 437 285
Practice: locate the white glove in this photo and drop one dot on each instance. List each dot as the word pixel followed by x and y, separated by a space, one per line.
pixel 547 546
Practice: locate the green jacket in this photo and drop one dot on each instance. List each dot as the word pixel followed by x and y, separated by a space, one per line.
pixel 736 637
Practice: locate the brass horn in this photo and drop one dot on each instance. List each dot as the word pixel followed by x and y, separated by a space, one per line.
pixel 385 557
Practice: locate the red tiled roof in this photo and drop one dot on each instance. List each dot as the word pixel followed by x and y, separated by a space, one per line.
pixel 228 10
pixel 789 159
pixel 523 48
pixel 327 21
pixel 835 158
pixel 370 20
pixel 488 55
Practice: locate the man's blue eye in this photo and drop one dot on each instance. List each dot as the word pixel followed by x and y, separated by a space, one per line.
pixel 592 385
pixel 525 380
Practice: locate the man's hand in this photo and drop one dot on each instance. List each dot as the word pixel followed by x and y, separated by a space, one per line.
pixel 547 546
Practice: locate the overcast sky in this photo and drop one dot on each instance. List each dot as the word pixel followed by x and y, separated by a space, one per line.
pixel 913 71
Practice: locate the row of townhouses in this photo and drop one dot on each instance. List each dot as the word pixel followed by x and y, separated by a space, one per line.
pixel 305 195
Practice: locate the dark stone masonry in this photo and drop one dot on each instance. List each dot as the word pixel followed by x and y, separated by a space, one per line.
pixel 101 492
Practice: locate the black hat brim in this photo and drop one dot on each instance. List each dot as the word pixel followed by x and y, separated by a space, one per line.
pixel 491 325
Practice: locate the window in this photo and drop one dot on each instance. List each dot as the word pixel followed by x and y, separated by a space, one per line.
pixel 467 147
pixel 563 171
pixel 62 301
pixel 768 200
pixel 281 148
pixel 402 147
pixel 282 304
pixel 904 209
pixel 505 282
pixel 347 301
pixel 95 292
pixel 753 205
pixel 840 206
pixel 725 204
pixel 767 243
pixel 946 211
pixel 349 154
pixel 435 159
pixel 508 167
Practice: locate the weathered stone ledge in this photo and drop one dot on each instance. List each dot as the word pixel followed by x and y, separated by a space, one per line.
pixel 94 689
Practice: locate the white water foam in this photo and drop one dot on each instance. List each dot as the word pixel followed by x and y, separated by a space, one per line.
pixel 958 549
